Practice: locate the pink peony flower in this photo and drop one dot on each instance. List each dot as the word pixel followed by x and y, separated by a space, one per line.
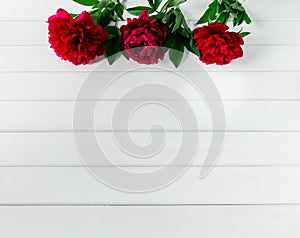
pixel 76 40
pixel 142 39
pixel 217 45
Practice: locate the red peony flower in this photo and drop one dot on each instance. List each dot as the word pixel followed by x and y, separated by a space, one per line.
pixel 142 39
pixel 217 45
pixel 76 40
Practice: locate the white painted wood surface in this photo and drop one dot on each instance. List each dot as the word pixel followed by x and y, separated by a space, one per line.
pixel 45 191
pixel 239 116
pixel 178 222
pixel 241 149
pixel 73 186
pixel 64 86
pixel 171 221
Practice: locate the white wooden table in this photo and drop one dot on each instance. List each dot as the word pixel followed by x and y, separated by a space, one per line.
pixel 45 191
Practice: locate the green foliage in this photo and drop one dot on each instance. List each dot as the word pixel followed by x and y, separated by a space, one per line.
pixel 176 49
pixel 153 7
pixel 107 11
pixel 104 11
pixel 221 11
pixel 119 9
pixel 210 14
pixel 154 4
pixel 151 3
pixel 178 20
pixel 102 4
pixel 180 36
pixel 223 17
pixel 87 2
pixel 113 47
pixel 136 11
pixel 157 4
pixel 177 41
pixel 74 15
pixel 173 3
pixel 244 34
pixel 190 45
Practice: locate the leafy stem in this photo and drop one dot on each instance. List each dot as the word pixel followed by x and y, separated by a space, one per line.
pixel 223 10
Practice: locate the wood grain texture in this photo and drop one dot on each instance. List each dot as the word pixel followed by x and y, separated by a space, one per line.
pixel 62 86
pixel 240 150
pixel 45 190
pixel 240 116
pixel 149 222
pixel 251 185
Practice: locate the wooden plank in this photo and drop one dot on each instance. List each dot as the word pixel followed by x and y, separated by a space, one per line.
pixel 231 85
pixel 240 149
pixel 251 185
pixel 240 116
pixel 260 10
pixel 24 33
pixel 207 221
pixel 257 58
pixel 263 33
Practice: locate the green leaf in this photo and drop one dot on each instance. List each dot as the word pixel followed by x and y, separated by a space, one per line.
pixel 113 30
pixel 103 4
pixel 185 25
pixel 176 55
pixel 220 8
pixel 191 46
pixel 183 32
pixel 96 16
pixel 110 36
pixel 205 17
pixel 244 34
pixel 178 20
pixel 125 55
pixel 151 3
pixel 170 19
pixel 87 2
pixel 247 18
pixel 171 41
pixel 111 5
pixel 105 17
pixel 223 17
pixel 158 16
pixel 113 48
pixel 157 4
pixel 214 6
pixel 238 19
pixel 112 52
pixel 210 14
pixel 119 9
pixel 173 3
pixel 176 49
pixel 95 6
pixel 242 18
pixel 234 14
pixel 188 40
pixel 136 11
pixel 73 15
pixel 238 6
